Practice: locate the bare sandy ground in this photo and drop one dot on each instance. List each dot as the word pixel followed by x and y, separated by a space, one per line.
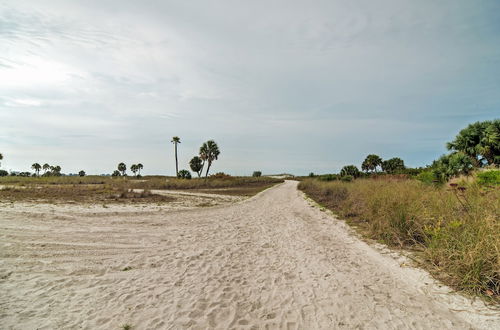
pixel 270 262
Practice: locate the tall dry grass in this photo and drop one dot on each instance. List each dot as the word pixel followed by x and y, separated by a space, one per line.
pixel 455 229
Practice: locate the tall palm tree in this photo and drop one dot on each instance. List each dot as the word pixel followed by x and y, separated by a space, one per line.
pixel 37 168
pixel 139 168
pixel 371 163
pixel 209 152
pixel 175 141
pixel 45 167
pixel 203 155
pixel 122 168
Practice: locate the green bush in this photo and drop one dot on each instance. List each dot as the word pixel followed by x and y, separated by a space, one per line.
pixel 488 178
pixel 4 173
pixel 350 170
pixel 257 174
pixel 184 174
pixel 426 177
pixel 328 177
pixel 347 178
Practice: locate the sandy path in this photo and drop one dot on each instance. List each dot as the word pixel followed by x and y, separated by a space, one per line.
pixel 272 261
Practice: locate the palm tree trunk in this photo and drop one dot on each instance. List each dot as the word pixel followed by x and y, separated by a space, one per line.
pixel 200 172
pixel 176 162
pixel 208 169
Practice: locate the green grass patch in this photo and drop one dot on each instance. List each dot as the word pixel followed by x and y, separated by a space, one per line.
pixel 488 178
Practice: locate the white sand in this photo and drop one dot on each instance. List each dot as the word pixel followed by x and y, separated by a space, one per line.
pixel 270 262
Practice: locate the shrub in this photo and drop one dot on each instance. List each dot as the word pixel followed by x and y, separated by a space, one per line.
pixel 257 174
pixel 414 172
pixel 488 178
pixel 220 175
pixel 328 177
pixel 184 174
pixel 4 173
pixel 426 177
pixel 347 178
pixel 350 170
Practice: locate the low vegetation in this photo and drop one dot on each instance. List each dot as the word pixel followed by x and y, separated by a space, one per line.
pixel 455 228
pixel 123 189
pixel 79 193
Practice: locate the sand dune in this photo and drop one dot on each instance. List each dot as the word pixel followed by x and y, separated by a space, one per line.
pixel 270 262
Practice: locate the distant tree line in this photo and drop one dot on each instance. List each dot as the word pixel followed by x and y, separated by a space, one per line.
pixel 122 170
pixel 208 153
pixel 476 146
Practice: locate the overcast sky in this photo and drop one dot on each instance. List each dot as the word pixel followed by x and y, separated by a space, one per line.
pixel 281 86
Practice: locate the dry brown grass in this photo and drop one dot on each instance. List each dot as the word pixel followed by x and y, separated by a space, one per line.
pixel 455 229
pixel 119 189
pixel 79 194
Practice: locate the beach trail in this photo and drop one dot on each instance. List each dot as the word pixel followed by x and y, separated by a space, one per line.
pixel 274 261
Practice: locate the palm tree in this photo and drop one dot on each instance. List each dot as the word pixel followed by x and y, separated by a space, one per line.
pixel 139 168
pixel 175 141
pixel 209 152
pixel 196 164
pixel 122 168
pixel 351 170
pixel 45 167
pixel 371 163
pixel 133 168
pixel 37 168
pixel 393 165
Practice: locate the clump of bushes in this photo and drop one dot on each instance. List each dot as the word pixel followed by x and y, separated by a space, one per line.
pixel 347 178
pixel 488 178
pixel 329 177
pixel 184 174
pixel 257 174
pixel 427 177
pixel 220 175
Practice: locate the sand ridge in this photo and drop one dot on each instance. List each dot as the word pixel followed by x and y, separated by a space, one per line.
pixel 270 262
